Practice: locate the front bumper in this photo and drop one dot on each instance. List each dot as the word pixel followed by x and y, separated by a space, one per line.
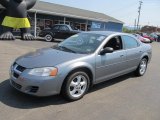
pixel 33 85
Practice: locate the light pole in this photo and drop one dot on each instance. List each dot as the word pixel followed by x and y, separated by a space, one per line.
pixel 139 13
pixel 135 23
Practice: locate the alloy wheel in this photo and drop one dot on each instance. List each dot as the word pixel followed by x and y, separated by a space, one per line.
pixel 78 86
pixel 143 66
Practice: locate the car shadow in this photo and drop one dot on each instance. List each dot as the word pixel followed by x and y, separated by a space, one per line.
pixel 13 98
pixel 111 82
pixel 43 40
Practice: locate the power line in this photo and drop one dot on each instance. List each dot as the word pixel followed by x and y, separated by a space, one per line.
pixel 122 8
pixel 139 13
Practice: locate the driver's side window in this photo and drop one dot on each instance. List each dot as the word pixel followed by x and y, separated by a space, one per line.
pixel 115 43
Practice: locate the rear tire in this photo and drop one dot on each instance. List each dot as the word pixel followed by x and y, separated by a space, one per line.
pixel 141 70
pixel 76 85
pixel 48 38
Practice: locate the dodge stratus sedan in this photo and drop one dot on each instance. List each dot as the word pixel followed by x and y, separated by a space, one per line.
pixel 74 65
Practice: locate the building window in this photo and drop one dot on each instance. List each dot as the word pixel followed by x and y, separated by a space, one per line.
pixel 96 25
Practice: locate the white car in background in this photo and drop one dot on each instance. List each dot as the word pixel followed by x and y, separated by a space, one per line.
pixel 142 39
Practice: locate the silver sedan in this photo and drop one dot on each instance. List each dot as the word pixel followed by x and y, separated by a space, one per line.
pixel 74 65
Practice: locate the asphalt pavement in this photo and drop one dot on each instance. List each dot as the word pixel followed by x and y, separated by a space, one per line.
pixel 124 98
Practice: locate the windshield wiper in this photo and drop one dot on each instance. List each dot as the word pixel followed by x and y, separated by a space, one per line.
pixel 63 47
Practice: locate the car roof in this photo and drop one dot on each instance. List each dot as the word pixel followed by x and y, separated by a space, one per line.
pixel 106 33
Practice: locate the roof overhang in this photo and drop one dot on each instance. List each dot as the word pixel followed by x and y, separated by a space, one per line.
pixel 67 15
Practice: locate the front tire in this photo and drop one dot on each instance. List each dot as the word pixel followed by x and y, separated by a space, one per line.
pixel 48 38
pixel 76 86
pixel 141 70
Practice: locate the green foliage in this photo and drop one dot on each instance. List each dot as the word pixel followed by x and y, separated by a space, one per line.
pixel 125 30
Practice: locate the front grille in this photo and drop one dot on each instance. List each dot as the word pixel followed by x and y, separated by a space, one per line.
pixel 15 75
pixel 20 68
pixel 34 89
pixel 18 86
pixel 17 70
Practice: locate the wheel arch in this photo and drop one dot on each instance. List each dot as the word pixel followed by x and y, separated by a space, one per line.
pixel 146 57
pixel 85 69
pixel 50 33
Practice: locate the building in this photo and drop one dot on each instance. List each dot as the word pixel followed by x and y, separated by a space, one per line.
pixel 44 15
pixel 150 29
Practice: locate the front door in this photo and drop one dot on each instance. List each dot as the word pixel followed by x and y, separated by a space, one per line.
pixel 113 64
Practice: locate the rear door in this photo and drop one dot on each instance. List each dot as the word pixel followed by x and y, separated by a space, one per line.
pixel 133 51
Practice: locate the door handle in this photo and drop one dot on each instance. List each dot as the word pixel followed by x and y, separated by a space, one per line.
pixel 140 51
pixel 121 55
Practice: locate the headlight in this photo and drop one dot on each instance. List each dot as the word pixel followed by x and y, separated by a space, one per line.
pixel 46 71
pixel 11 68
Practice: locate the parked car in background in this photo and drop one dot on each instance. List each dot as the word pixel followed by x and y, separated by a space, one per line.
pixel 147 36
pixel 142 39
pixel 59 31
pixel 82 60
pixel 158 39
pixel 154 36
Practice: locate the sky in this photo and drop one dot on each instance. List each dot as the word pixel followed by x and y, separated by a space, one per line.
pixel 124 10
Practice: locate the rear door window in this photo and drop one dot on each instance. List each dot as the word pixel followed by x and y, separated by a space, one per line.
pixel 129 42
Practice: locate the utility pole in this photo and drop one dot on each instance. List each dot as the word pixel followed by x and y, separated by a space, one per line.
pixel 135 24
pixel 139 13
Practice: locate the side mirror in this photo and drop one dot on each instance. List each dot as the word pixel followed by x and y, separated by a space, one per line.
pixel 106 50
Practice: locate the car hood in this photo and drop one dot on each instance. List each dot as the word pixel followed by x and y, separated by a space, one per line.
pixel 47 57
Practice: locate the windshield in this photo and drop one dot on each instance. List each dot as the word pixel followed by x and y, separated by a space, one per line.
pixel 83 43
